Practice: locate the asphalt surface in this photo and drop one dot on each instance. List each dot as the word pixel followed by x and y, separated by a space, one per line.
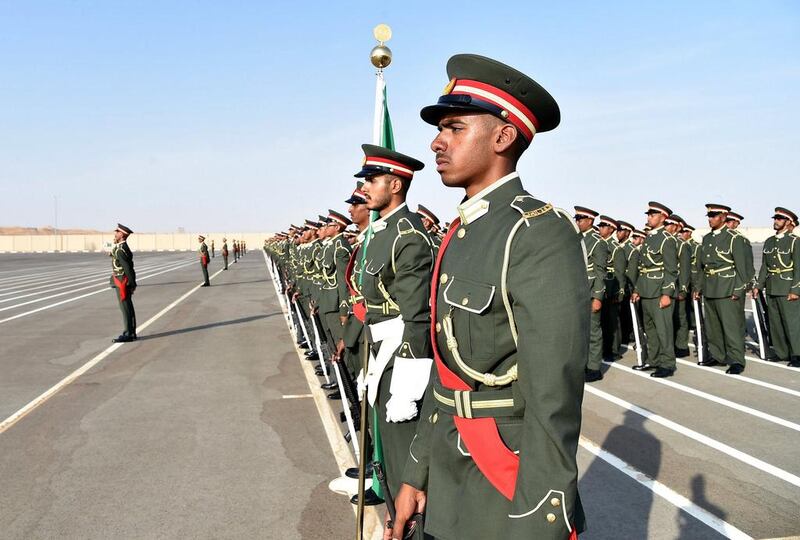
pixel 188 433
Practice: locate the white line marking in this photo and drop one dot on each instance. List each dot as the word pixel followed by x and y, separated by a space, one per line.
pixel 699 437
pixel 674 498
pixel 297 396
pixel 68 300
pixel 53 390
pixel 373 525
pixel 740 378
pixel 710 397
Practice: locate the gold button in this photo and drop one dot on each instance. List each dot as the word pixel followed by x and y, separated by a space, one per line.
pixel 438 327
pixel 551 518
pixel 555 501
pixel 443 279
pixel 434 418
pixel 464 301
pixel 462 233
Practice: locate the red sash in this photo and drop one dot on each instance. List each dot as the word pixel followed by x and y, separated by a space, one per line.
pixel 480 435
pixel 204 259
pixel 359 309
pixel 122 285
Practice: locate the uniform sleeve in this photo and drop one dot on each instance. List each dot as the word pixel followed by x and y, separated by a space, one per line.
pixel 545 285
pixel 632 268
pixel 742 265
pixel 620 265
pixel 125 259
pixel 342 259
pixel 761 279
pixel 796 261
pixel 684 267
pixel 412 268
pixel 415 472
pixel 600 261
pixel 669 252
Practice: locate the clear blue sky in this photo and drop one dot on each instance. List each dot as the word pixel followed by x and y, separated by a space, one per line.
pixel 247 115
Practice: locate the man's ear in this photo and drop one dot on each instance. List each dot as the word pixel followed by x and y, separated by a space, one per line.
pixel 505 138
pixel 397 185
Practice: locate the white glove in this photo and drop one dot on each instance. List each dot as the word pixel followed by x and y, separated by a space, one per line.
pixel 361 385
pixel 399 409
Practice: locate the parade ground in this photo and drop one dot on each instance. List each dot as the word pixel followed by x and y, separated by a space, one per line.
pixel 211 425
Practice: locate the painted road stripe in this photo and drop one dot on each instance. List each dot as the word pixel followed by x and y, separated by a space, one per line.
pixel 699 437
pixel 676 499
pixel 42 299
pixel 53 390
pixel 68 300
pixel 373 526
pixel 297 396
pixel 710 397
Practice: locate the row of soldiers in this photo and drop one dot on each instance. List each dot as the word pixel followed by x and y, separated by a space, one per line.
pixel 469 343
pixel 668 276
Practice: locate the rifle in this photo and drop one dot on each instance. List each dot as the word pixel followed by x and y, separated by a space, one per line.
pixel 640 352
pixel 699 330
pixel 318 343
pixel 761 328
pixel 415 524
pixel 348 405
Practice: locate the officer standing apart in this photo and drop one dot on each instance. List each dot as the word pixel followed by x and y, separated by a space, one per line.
pixel 511 328
pixel 396 289
pixel 213 250
pixel 596 250
pixel 123 278
pixel 656 288
pixel 204 259
pixel 779 278
pixel 723 278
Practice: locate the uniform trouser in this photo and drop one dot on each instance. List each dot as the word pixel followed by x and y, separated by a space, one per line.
pixel 784 326
pixel 595 342
pixel 205 272
pixel 625 321
pixel 225 260
pixel 725 329
pixel 333 329
pixel 680 321
pixel 395 437
pixel 128 313
pixel 660 334
pixel 609 320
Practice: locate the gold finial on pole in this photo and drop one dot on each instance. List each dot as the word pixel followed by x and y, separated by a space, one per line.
pixel 381 55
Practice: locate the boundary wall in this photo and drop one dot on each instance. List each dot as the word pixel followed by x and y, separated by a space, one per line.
pixel 95 243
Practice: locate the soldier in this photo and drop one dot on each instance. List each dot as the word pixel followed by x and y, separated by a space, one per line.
pixel 431 223
pixel 204 259
pixel 723 279
pixel 225 253
pixel 494 455
pixel 123 278
pixel 732 222
pixel 779 278
pixel 395 285
pixel 680 320
pixel 694 249
pixel 615 289
pixel 235 251
pixel 213 250
pixel 626 244
pixel 656 288
pixel 596 250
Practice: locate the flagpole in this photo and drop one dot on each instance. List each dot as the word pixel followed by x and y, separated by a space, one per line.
pixel 380 57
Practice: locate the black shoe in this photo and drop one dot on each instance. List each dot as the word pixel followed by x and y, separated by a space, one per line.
pixel 610 358
pixel 643 367
pixel 312 355
pixel 318 372
pixel 303 345
pixel 328 386
pixel 122 338
pixel 370 499
pixel 593 375
pixel 206 285
pixel 352 472
pixel 662 372
pixel 335 395
pixel 734 369
pixel 794 363
pixel 708 363
pixel 681 353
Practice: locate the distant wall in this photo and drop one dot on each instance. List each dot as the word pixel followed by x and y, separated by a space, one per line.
pixel 756 235
pixel 137 242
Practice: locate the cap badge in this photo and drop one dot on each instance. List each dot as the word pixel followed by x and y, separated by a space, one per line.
pixel 449 88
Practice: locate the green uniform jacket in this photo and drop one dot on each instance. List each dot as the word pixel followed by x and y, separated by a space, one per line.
pixel 396 279
pixel 596 259
pixel 694 251
pixel 335 256
pixel 684 266
pixel 722 264
pixel 749 268
pixel 204 252
pixel 615 270
pixel 122 264
pixel 513 286
pixel 780 266
pixel 658 265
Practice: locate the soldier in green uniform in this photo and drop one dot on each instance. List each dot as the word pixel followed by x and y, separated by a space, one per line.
pixel 123 279
pixel 494 455
pixel 204 259
pixel 779 278
pixel 615 289
pixel 656 287
pixel 225 253
pixel 213 250
pixel 596 251
pixel 431 223
pixel 625 243
pixel 694 249
pixel 680 320
pixel 395 285
pixel 723 279
pixel 732 222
